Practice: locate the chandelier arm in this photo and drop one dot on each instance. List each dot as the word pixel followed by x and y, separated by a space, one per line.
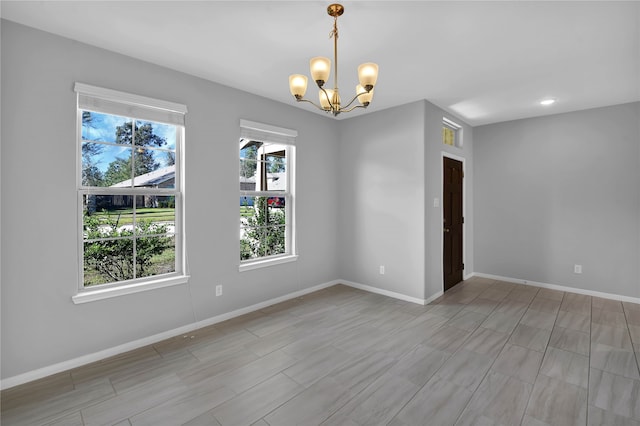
pixel 311 102
pixel 354 107
pixel 353 100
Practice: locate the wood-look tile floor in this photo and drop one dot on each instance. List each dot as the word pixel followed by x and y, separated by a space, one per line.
pixel 487 352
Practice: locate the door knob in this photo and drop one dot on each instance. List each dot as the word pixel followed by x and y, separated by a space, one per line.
pixel 446 230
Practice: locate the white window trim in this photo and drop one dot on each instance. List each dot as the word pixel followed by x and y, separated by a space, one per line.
pixel 276 135
pixel 121 290
pixel 266 262
pixel 159 111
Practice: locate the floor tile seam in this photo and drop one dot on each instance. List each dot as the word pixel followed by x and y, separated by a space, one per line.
pixel 167 364
pixel 48 418
pixel 635 354
pixel 546 350
pixel 281 370
pixel 451 355
pixel 200 360
pixel 615 374
pixel 489 370
pixel 66 411
pixel 188 388
pixel 302 384
pixel 549 298
pixel 493 363
pixel 172 397
pixel 169 397
pixel 371 384
pixel 98 401
pixel 574 311
pixel 153 345
pixel 222 372
pixel 275 408
pixel 82 415
pixel 307 388
pixel 260 336
pixel 436 371
pixel 546 346
pixel 589 359
pixel 237 394
pixel 12 394
pixel 416 392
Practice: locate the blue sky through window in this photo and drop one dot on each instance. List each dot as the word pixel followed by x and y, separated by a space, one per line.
pixel 102 128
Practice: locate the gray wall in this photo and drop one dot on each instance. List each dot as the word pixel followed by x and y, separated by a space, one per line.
pixel 381 219
pixel 40 324
pixel 390 172
pixel 561 190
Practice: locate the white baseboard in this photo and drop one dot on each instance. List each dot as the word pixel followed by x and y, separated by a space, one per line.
pixel 388 293
pixel 434 297
pixel 560 288
pixel 126 347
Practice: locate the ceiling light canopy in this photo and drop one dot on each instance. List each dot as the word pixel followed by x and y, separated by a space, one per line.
pixel 329 99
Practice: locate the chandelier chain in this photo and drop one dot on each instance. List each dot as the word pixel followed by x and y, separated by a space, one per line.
pixel 334 31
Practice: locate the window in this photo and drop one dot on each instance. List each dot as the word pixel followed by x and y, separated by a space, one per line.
pixel 129 191
pixel 451 133
pixel 266 195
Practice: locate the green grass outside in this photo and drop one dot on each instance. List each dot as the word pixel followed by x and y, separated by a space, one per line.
pixel 246 211
pixel 126 215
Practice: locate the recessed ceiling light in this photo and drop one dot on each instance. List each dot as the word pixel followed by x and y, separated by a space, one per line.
pixel 547 102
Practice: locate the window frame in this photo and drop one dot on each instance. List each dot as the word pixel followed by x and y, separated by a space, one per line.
pixel 135 108
pixel 457 132
pixel 269 134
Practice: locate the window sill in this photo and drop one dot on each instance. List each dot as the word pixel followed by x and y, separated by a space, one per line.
pixel 267 262
pixel 106 293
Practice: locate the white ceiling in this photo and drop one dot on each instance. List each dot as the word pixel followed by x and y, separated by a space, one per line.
pixel 484 61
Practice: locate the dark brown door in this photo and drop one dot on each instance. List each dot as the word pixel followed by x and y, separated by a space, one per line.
pixel 453 220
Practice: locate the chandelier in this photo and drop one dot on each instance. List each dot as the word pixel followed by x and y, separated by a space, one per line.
pixel 320 70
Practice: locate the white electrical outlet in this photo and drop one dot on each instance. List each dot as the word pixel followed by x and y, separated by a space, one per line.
pixel 381 269
pixel 218 290
pixel 577 269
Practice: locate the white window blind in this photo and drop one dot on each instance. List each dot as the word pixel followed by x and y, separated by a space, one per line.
pixel 109 101
pixel 267 133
